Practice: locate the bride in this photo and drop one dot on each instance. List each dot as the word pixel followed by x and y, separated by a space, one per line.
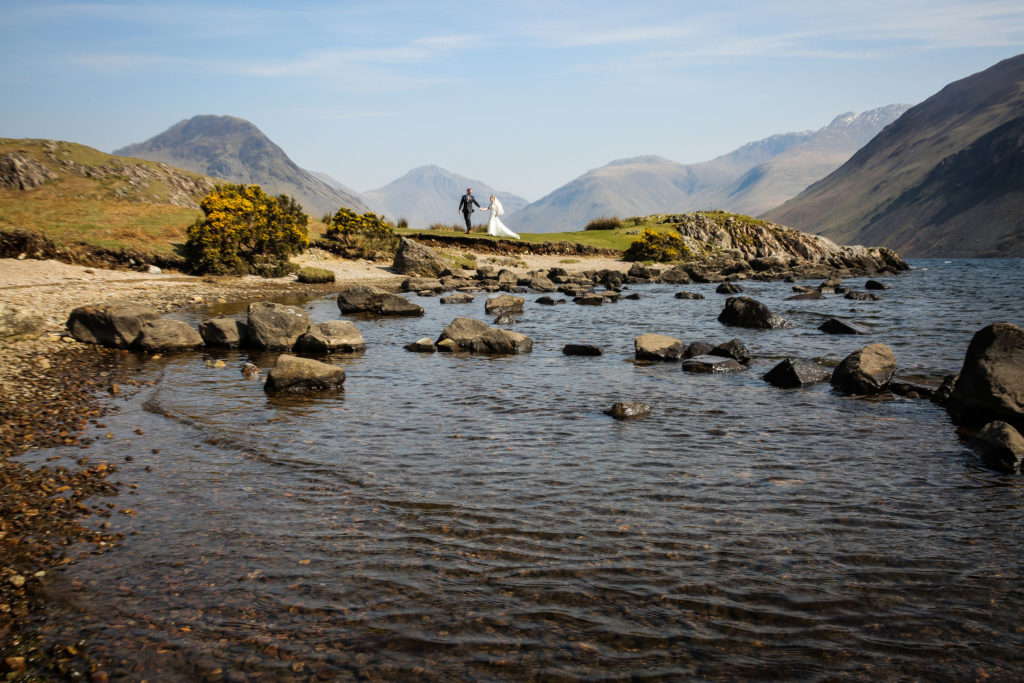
pixel 494 226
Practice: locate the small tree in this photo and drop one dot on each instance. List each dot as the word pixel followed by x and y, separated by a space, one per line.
pixel 244 231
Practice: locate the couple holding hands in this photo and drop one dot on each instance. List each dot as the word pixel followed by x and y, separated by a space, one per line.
pixel 494 226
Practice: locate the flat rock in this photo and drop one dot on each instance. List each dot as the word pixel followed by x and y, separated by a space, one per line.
pixel 837 326
pixel 793 372
pixel 658 347
pixel 590 299
pixel 294 375
pixel 712 364
pixel 458 298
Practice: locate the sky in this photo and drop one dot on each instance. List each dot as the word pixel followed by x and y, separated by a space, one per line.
pixel 524 95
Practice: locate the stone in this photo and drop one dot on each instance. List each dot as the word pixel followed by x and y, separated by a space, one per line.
pixel 991 382
pixel 250 370
pixel 506 318
pixel 542 283
pixel 1001 447
pixel 501 342
pixel 742 311
pixel 806 296
pixel 697 348
pixel 422 345
pixel 458 298
pixel 734 349
pixel 373 301
pixel 875 285
pixel 545 301
pixel 635 296
pixel 153 270
pixel 276 327
pixel 837 326
pixel 861 296
pixel 582 350
pixel 462 331
pixel 334 336
pixel 224 333
pixel 504 303
pixel 712 364
pixel 447 346
pixel 413 258
pixel 689 295
pixel 628 410
pixel 865 371
pixel 658 347
pixel 19 322
pixel 728 288
pixel 422 284
pixel 164 336
pixel 911 390
pixel 294 375
pixel 113 326
pixel 677 275
pixel 793 373
pixel 589 299
pixel 639 271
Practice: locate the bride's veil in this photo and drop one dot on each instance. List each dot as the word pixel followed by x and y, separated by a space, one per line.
pixel 501 209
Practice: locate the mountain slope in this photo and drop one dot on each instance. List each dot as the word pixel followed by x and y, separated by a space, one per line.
pixel 946 179
pixel 750 179
pixel 237 151
pixel 430 194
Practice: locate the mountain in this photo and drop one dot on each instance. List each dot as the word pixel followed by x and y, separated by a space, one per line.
pixel 430 194
pixel 237 151
pixel 750 179
pixel 945 179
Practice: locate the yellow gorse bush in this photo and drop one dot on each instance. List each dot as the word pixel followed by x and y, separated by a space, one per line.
pixel 367 232
pixel 244 231
pixel 657 246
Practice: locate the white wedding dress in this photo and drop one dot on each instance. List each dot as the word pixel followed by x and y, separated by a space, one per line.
pixel 494 226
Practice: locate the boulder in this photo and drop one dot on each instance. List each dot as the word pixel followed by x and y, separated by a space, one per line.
pixel 793 372
pixel 634 296
pixel 545 301
pixel 224 333
pixel 742 311
pixel 865 371
pixel 541 283
pixel 1001 447
pixel 413 258
pixel 806 296
pixel 447 346
pixel 334 336
pixel 658 347
pixel 375 302
pixel 837 326
pixel 734 349
pixel 689 295
pixel 628 410
pixel 463 330
pixel 504 303
pixel 294 375
pixel 468 334
pixel 422 345
pixel 639 271
pixel 991 383
pixel 728 288
pixel 19 322
pixel 164 336
pixel 507 278
pixel 114 326
pixel 590 299
pixel 422 284
pixel 912 390
pixel 712 364
pixel 697 348
pixel 875 285
pixel 677 275
pixel 582 350
pixel 276 327
pixel 506 318
pixel 458 298
pixel 861 296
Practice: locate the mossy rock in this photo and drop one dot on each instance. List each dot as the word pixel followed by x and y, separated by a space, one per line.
pixel 315 276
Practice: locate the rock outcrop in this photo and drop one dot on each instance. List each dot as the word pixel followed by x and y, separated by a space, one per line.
pixel 294 375
pixel 991 382
pixel 865 371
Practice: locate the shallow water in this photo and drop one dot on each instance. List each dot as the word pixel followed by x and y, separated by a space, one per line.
pixel 457 517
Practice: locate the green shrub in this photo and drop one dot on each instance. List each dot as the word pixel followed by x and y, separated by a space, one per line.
pixel 402 224
pixel 364 235
pixel 612 223
pixel 315 276
pixel 245 231
pixel 448 228
pixel 656 246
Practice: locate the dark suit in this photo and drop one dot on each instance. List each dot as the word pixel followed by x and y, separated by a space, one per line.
pixel 466 207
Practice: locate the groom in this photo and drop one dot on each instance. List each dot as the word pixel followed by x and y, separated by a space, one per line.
pixel 466 207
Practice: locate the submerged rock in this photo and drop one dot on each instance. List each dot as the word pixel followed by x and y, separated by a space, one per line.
pixel 628 410
pixel 837 326
pixel 712 364
pixel 294 375
pixel 865 371
pixel 689 295
pixel 582 350
pixel 793 372
pixel 1001 447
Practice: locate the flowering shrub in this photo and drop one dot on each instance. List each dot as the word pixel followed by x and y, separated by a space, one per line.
pixel 657 246
pixel 245 231
pixel 366 234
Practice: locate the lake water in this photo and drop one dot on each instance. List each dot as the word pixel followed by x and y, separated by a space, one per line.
pixel 459 517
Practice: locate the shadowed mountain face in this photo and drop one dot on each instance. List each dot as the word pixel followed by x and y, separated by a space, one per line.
pixel 237 151
pixel 430 194
pixel 750 179
pixel 946 179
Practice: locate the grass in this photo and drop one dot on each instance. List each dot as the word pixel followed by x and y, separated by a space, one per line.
pixel 619 238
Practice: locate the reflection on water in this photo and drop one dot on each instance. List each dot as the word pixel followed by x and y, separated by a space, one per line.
pixel 463 517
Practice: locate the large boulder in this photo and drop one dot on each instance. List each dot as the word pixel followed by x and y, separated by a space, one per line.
pixel 540 283
pixel 991 383
pixel 334 336
pixel 1001 447
pixel 677 275
pixel 793 372
pixel 468 334
pixel 413 258
pixel 117 326
pixel 734 349
pixel 504 303
pixel 865 371
pixel 276 327
pixel 19 322
pixel 658 347
pixel 463 330
pixel 742 311
pixel 294 375
pixel 164 335
pixel 375 302
pixel 225 333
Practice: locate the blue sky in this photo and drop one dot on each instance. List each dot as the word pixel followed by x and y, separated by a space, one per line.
pixel 523 95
